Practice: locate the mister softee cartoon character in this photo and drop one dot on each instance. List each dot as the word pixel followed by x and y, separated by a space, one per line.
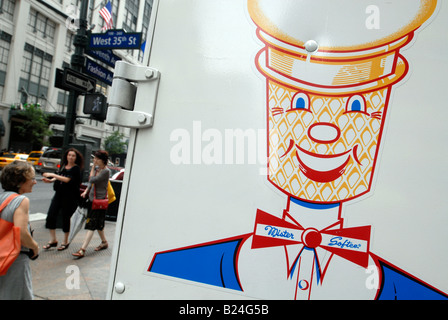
pixel 328 88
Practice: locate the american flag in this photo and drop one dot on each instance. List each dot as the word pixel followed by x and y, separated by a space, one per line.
pixel 106 13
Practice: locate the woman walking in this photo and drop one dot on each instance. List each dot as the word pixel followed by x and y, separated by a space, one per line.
pixel 66 197
pixel 18 178
pixel 99 178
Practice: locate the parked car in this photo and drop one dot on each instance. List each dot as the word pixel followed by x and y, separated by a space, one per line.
pixel 117 175
pixel 7 158
pixel 50 161
pixel 21 156
pixel 33 157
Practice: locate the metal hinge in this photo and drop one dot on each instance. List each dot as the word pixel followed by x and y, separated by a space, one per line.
pixel 132 100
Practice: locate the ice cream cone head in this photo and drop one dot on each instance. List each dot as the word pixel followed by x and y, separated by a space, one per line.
pixel 326 106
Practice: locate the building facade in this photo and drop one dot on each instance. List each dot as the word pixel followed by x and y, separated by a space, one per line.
pixel 36 39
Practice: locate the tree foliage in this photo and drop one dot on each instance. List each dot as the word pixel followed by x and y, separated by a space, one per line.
pixel 115 144
pixel 35 127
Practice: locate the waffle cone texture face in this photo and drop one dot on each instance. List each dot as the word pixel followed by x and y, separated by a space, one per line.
pixel 326 108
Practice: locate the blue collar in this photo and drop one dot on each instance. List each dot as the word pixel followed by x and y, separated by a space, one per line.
pixel 316 206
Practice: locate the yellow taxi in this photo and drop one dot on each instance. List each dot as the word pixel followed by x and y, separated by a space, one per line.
pixel 34 156
pixel 7 158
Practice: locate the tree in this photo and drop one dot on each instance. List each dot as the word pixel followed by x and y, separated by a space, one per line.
pixel 114 143
pixel 35 127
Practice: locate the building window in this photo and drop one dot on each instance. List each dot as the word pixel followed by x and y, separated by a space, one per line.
pixel 34 75
pixel 62 101
pixel 69 46
pixel 5 47
pixel 41 25
pixel 115 5
pixel 7 9
pixel 131 16
pixel 145 25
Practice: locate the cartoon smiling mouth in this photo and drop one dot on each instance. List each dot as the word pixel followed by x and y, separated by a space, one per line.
pixel 323 168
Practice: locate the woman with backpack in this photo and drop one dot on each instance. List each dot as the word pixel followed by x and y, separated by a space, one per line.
pixel 17 179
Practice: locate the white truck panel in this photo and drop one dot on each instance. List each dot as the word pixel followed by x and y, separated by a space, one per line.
pixel 188 184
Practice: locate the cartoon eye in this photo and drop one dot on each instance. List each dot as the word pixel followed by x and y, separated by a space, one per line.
pixel 300 101
pixel 356 104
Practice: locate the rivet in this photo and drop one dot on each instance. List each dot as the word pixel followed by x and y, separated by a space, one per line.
pixel 148 73
pixel 141 118
pixel 119 287
pixel 311 46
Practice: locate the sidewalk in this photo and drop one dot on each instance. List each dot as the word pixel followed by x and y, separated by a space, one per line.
pixel 58 276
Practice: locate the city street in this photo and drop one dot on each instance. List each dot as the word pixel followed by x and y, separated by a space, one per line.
pixel 56 274
pixel 40 198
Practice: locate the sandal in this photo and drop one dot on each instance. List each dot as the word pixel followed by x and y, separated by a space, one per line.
pixel 80 254
pixel 63 246
pixel 102 246
pixel 50 245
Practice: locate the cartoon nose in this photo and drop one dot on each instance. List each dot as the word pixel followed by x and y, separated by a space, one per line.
pixel 324 132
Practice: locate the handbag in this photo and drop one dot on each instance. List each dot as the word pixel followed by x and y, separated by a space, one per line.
pixel 10 244
pixel 99 204
pixel 110 193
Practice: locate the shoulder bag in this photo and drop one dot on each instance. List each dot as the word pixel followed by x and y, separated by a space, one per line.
pixel 10 244
pixel 99 204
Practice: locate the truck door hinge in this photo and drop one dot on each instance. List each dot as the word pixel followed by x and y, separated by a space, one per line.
pixel 133 96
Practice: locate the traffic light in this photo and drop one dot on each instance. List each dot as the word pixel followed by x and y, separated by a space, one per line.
pixel 95 104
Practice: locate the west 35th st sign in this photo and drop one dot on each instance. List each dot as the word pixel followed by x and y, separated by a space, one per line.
pixel 115 39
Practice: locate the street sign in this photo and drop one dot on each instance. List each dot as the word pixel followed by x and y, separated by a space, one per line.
pixel 115 39
pixel 100 73
pixel 95 104
pixel 106 56
pixel 78 81
pixel 59 80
